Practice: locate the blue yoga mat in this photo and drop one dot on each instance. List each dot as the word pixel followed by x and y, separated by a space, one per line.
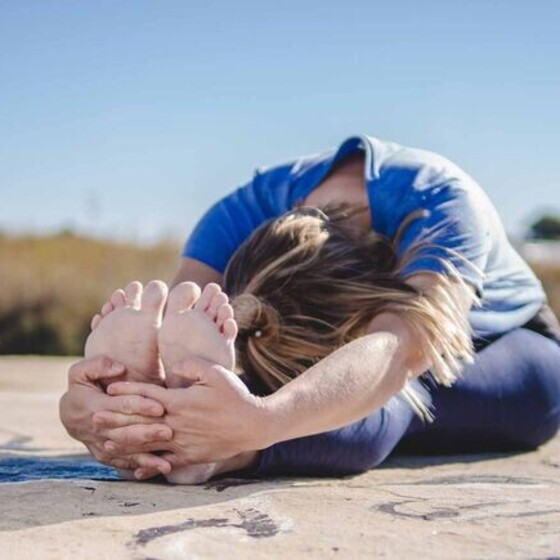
pixel 16 469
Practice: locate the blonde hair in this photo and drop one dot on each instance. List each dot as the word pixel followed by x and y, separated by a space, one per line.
pixel 305 284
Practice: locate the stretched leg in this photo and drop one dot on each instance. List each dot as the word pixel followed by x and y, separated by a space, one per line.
pixel 508 399
pixel 349 450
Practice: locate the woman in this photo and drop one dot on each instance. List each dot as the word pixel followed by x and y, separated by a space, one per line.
pixel 451 278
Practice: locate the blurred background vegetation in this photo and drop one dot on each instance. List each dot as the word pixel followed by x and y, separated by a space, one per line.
pixel 53 285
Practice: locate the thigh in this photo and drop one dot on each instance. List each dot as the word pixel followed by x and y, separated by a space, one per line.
pixel 508 399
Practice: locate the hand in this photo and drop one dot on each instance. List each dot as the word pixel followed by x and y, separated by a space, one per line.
pixel 215 418
pixel 84 405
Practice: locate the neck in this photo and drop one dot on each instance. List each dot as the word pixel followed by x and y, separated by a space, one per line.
pixel 345 184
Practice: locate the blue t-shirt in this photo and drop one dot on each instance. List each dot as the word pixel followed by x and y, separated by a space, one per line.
pixel 461 223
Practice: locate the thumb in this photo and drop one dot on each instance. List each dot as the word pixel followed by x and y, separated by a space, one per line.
pixel 89 371
pixel 202 372
pixel 194 370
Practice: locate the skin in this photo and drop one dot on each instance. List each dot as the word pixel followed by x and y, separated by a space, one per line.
pixel 217 420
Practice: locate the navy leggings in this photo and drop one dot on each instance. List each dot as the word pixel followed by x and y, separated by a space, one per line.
pixel 509 399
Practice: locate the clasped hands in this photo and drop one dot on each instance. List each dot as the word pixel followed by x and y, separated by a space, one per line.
pixel 145 429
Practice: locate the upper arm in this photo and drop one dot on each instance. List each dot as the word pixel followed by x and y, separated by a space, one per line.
pixel 450 236
pixel 434 334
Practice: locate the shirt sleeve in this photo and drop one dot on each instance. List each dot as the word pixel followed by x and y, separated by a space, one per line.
pixel 232 219
pixel 226 225
pixel 448 224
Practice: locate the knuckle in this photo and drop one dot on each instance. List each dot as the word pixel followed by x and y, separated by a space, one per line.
pixel 127 404
pixel 137 459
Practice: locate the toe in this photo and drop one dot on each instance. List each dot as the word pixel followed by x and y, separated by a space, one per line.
pixel 225 312
pixel 107 308
pixel 216 302
pixel 229 329
pixel 154 296
pixel 132 295
pixel 118 298
pixel 182 297
pixel 95 321
pixel 210 290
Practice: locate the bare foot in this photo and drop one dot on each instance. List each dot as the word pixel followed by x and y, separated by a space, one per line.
pixel 126 330
pixel 199 325
pixel 193 474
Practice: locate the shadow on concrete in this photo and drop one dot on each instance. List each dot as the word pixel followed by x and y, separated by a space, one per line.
pixel 51 490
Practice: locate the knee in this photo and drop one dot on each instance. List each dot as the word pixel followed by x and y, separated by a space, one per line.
pixel 372 441
pixel 541 406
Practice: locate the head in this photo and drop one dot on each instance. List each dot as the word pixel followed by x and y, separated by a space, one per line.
pixel 305 284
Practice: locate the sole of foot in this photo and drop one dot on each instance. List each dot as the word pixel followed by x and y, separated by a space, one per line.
pixel 126 330
pixel 197 324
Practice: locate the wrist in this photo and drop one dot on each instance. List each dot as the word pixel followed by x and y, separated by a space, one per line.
pixel 65 413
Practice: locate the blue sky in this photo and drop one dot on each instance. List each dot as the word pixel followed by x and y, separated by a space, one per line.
pixel 130 118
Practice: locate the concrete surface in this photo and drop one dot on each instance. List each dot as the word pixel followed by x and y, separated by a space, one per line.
pixel 462 507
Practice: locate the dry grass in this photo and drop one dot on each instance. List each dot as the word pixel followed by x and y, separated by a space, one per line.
pixel 51 286
pixel 550 277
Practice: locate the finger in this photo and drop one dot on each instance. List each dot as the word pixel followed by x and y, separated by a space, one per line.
pixel 94 369
pixel 137 437
pixel 117 450
pixel 130 463
pixel 145 473
pixel 134 404
pixel 173 459
pixel 105 419
pixel 121 463
pixel 150 465
pixel 192 369
pixel 148 390
pixel 202 372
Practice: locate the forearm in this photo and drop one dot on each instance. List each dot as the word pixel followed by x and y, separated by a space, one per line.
pixel 347 385
pixel 349 450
